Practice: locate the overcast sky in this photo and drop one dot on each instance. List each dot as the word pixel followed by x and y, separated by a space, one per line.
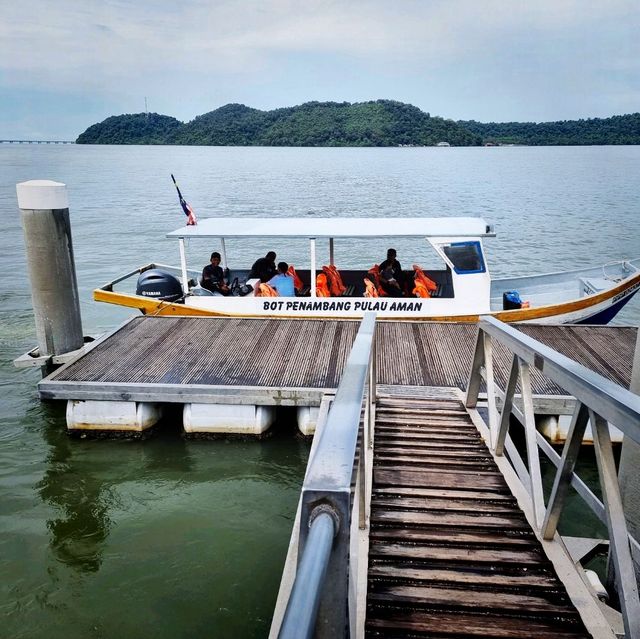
pixel 67 64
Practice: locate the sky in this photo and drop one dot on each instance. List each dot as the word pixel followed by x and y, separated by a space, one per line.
pixel 68 64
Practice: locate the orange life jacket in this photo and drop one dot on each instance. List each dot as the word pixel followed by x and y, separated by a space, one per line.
pixel 426 281
pixel 370 289
pixel 420 289
pixel 322 287
pixel 297 282
pixel 264 290
pixel 374 271
pixel 336 285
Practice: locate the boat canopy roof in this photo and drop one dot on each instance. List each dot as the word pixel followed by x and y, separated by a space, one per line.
pixel 315 227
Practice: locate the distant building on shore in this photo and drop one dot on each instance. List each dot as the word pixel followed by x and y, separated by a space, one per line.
pixel 443 144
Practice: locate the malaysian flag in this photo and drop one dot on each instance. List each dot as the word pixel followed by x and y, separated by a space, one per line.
pixel 186 207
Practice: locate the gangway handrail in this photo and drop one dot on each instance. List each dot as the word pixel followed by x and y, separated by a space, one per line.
pixel 598 400
pixel 326 501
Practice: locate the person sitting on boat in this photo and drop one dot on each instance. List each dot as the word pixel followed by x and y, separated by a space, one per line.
pixel 283 282
pixel 213 276
pixel 391 276
pixel 264 268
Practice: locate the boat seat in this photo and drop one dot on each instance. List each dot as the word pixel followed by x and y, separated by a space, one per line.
pixel 349 291
pixel 304 292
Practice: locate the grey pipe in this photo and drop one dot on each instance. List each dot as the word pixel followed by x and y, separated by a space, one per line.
pixel 300 617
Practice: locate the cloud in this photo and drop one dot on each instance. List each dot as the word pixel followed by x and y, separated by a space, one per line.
pixel 273 49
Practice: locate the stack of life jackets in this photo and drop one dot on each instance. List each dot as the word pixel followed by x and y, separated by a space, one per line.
pixel 334 280
pixel 423 285
pixel 322 287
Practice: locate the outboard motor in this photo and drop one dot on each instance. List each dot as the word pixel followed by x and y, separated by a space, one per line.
pixel 160 285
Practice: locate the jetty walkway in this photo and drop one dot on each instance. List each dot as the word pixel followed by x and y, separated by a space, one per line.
pixel 423 511
pixel 418 518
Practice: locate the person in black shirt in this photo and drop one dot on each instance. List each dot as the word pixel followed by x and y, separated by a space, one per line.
pixel 213 276
pixel 391 276
pixel 264 268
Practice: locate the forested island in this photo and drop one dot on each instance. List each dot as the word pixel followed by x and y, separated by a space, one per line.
pixel 376 123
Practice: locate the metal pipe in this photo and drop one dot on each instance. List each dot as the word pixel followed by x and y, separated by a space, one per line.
pixel 331 251
pixel 183 266
pixel 302 609
pixel 313 265
pixel 223 250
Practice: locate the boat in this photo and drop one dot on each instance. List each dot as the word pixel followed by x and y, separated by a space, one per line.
pixel 463 288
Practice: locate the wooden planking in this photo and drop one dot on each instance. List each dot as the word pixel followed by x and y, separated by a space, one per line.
pixel 450 552
pixel 242 352
pixel 302 354
pixel 440 354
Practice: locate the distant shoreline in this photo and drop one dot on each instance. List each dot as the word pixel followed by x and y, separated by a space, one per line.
pixel 382 123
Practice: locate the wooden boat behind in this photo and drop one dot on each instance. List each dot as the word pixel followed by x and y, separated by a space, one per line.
pixel 465 289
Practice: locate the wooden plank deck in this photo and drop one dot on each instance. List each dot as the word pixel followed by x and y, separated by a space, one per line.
pixel 183 358
pixel 451 554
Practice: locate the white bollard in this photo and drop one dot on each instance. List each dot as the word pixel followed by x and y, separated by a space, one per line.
pixel 44 210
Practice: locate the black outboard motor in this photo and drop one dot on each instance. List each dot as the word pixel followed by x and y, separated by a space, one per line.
pixel 160 285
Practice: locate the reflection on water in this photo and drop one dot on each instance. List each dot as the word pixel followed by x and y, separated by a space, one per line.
pixel 78 534
pixel 196 527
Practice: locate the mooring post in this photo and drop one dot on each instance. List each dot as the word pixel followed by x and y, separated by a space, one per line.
pixel 44 210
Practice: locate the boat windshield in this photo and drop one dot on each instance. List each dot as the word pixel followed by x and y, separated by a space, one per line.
pixel 466 257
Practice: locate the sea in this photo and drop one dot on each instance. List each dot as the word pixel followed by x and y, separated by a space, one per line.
pixel 176 538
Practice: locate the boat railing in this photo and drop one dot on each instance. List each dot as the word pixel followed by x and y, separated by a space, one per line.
pixel 598 401
pixel 173 270
pixel 334 503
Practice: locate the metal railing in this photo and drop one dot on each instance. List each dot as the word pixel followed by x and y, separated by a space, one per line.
pixel 599 401
pixel 318 604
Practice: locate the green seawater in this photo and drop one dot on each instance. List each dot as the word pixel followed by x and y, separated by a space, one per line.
pixel 170 538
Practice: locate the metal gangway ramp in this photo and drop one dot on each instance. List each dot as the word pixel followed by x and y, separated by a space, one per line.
pixel 450 551
pixel 420 518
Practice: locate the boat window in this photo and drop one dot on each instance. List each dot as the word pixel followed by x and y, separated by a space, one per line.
pixel 466 257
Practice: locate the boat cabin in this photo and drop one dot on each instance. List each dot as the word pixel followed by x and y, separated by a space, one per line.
pixel 461 285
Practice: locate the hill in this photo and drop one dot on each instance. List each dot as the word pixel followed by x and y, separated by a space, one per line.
pixel 378 123
pixel 619 129
pixel 138 128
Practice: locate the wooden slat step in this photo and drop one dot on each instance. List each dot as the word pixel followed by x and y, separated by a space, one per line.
pixel 416 417
pixel 411 518
pixel 442 493
pixel 420 465
pixel 528 581
pixel 394 441
pixel 414 623
pixel 469 458
pixel 427 462
pixel 451 537
pixel 430 421
pixel 432 504
pixel 403 477
pixel 388 426
pixel 422 436
pixel 467 556
pixel 483 602
pixel 407 403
